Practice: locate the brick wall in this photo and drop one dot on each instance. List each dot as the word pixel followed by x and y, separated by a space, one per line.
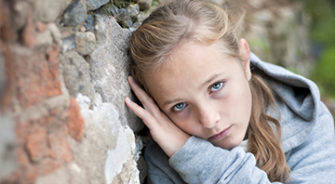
pixel 45 117
pixel 60 122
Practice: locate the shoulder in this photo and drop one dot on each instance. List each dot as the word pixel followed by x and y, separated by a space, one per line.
pixel 297 130
pixel 154 154
pixel 298 98
pixel 158 165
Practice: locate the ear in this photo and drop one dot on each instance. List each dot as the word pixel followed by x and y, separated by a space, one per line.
pixel 244 52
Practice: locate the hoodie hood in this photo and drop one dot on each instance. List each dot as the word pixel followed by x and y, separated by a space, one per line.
pixel 298 100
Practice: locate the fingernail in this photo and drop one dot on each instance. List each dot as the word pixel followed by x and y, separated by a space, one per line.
pixel 130 79
pixel 127 100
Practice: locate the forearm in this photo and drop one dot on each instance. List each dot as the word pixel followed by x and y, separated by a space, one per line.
pixel 200 162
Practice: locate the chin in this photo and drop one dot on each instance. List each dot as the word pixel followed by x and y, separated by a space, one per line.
pixel 230 143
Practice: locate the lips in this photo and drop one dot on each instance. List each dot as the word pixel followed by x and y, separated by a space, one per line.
pixel 220 134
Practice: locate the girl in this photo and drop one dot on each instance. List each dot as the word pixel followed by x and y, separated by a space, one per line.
pixel 216 112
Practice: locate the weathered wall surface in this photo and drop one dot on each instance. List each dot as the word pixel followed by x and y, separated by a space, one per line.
pixel 62 83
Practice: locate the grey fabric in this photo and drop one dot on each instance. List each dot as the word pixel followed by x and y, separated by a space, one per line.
pixel 307 138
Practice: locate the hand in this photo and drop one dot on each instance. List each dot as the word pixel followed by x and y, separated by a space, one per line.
pixel 167 135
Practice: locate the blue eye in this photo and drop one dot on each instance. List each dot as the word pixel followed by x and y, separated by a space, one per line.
pixel 216 87
pixel 179 106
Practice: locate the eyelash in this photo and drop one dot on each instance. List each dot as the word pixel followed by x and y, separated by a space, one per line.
pixel 178 110
pixel 174 108
pixel 216 90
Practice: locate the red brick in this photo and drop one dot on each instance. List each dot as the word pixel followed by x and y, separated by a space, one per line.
pixel 75 123
pixel 6 99
pixel 60 148
pixel 29 33
pixel 25 172
pixel 7 36
pixel 37 77
pixel 43 145
pixel 48 166
pixel 36 144
pixel 41 27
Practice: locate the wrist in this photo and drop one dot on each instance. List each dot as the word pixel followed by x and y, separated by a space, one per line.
pixel 178 143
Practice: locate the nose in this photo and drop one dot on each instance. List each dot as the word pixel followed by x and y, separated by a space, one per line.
pixel 208 116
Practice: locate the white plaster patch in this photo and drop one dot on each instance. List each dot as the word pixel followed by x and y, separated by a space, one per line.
pixel 119 140
pixel 139 147
pixel 74 167
pixel 117 157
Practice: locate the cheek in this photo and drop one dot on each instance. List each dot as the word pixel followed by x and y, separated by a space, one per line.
pixel 240 101
pixel 187 122
pixel 246 104
pixel 180 119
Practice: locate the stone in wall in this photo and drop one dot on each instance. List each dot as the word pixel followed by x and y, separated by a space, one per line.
pixel 75 14
pixel 89 23
pixel 76 73
pixel 85 42
pixel 95 4
pixel 109 64
pixel 49 10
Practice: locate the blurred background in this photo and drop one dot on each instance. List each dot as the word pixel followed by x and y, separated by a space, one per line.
pixel 296 34
pixel 322 40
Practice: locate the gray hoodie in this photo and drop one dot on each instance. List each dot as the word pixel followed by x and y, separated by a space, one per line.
pixel 307 137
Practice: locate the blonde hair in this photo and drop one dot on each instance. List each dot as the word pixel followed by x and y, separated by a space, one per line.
pixel 201 21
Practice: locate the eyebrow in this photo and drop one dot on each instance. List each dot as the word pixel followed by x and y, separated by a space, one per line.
pixel 209 80
pixel 171 101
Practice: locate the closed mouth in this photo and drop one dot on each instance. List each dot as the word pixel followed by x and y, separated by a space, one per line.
pixel 220 134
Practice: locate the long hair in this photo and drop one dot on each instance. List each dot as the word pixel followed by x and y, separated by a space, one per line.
pixel 201 21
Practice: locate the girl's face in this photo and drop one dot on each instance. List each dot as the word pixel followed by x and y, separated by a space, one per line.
pixel 205 92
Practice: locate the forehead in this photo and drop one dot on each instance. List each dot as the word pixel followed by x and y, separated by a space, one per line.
pixel 192 58
pixel 188 66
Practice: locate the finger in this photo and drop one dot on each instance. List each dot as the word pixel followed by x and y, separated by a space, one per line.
pixel 145 99
pixel 140 112
pixel 135 108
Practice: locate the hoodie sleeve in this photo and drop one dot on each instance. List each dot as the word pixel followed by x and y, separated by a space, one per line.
pixel 200 162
